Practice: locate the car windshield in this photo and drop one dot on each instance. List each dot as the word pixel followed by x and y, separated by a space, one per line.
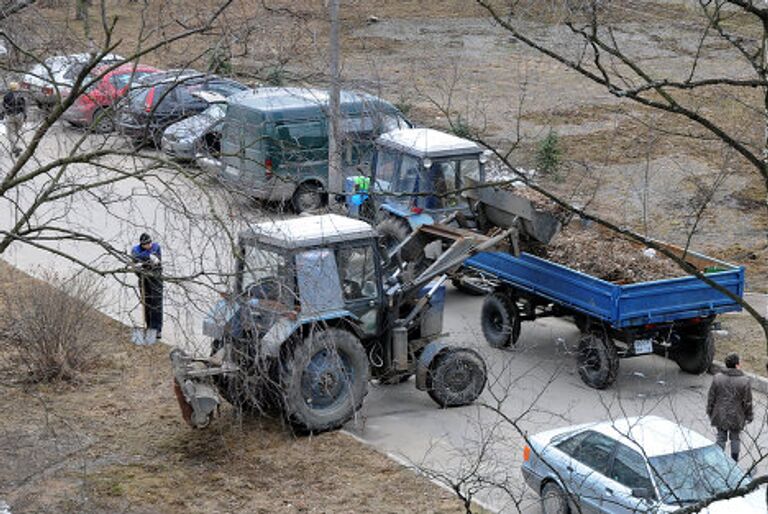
pixel 695 475
pixel 216 111
pixel 120 80
pixel 223 87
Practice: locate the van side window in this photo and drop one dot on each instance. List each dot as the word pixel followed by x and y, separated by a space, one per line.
pixel 303 141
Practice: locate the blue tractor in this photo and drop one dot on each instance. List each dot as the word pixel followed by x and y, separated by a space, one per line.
pixel 422 176
pixel 314 315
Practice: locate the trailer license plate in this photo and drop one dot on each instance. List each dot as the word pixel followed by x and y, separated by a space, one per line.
pixel 643 346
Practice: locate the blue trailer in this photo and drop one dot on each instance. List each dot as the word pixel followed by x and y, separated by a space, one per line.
pixel 672 317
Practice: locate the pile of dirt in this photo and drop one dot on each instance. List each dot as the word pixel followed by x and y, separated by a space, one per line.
pixel 610 258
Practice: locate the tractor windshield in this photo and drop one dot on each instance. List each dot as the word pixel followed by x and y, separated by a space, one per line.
pixel 266 274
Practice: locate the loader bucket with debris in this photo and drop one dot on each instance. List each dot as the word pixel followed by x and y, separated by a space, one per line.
pixel 503 208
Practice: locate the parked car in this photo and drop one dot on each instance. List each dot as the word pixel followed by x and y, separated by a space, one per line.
pixel 274 141
pixel 162 99
pixel 197 134
pixel 640 465
pixel 51 80
pixel 93 107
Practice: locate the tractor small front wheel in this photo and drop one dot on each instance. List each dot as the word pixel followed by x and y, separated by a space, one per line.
pixel 457 376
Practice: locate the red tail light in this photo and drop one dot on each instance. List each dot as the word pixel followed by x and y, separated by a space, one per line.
pixel 417 210
pixel 527 453
pixel 149 100
pixel 268 167
pixel 25 85
pixel 47 90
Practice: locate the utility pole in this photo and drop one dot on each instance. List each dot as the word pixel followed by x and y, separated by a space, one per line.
pixel 335 178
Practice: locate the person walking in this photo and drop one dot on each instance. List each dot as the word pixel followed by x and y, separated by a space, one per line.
pixel 15 112
pixel 148 256
pixel 729 405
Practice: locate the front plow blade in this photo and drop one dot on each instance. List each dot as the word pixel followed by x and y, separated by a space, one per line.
pixel 197 400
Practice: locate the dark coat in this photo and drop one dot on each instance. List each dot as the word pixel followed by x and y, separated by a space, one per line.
pixel 729 405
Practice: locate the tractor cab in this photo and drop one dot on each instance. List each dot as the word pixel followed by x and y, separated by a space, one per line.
pixel 309 269
pixel 418 175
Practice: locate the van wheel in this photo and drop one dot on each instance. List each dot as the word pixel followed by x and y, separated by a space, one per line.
pixel 308 197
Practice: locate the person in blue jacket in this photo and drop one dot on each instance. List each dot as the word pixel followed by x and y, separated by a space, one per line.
pixel 148 256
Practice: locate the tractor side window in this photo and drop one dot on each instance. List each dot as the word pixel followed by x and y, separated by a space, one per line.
pixel 358 273
pixel 266 275
pixel 409 180
pixel 441 180
pixel 386 166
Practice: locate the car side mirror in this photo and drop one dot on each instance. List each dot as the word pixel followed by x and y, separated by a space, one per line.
pixel 643 493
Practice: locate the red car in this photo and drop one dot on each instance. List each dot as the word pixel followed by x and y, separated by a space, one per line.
pixel 91 109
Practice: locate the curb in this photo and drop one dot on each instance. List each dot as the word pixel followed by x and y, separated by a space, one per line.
pixel 409 465
pixel 758 383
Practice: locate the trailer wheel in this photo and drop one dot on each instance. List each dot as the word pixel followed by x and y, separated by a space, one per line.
pixel 598 360
pixel 324 380
pixel 694 353
pixel 500 320
pixel 456 377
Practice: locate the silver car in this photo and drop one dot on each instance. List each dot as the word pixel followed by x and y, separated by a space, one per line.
pixel 49 81
pixel 196 134
pixel 632 465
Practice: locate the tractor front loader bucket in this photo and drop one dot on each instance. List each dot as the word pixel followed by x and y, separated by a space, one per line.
pixel 503 208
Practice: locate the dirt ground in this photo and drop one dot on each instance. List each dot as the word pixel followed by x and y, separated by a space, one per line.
pixel 116 443
pixel 745 337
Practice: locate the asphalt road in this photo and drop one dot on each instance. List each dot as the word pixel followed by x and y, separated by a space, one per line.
pixel 536 382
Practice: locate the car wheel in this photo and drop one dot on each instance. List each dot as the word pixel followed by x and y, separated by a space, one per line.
pixel 554 499
pixel 102 122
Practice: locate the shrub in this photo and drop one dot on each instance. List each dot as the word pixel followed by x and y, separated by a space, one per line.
pixel 50 325
pixel 549 154
pixel 461 128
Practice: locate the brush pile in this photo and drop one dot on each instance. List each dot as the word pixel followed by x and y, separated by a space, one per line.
pixel 610 258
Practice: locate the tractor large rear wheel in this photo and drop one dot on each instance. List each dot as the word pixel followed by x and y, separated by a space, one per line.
pixel 252 388
pixel 324 380
pixel 392 231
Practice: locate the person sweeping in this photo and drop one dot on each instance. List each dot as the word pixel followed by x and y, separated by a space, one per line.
pixel 148 256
